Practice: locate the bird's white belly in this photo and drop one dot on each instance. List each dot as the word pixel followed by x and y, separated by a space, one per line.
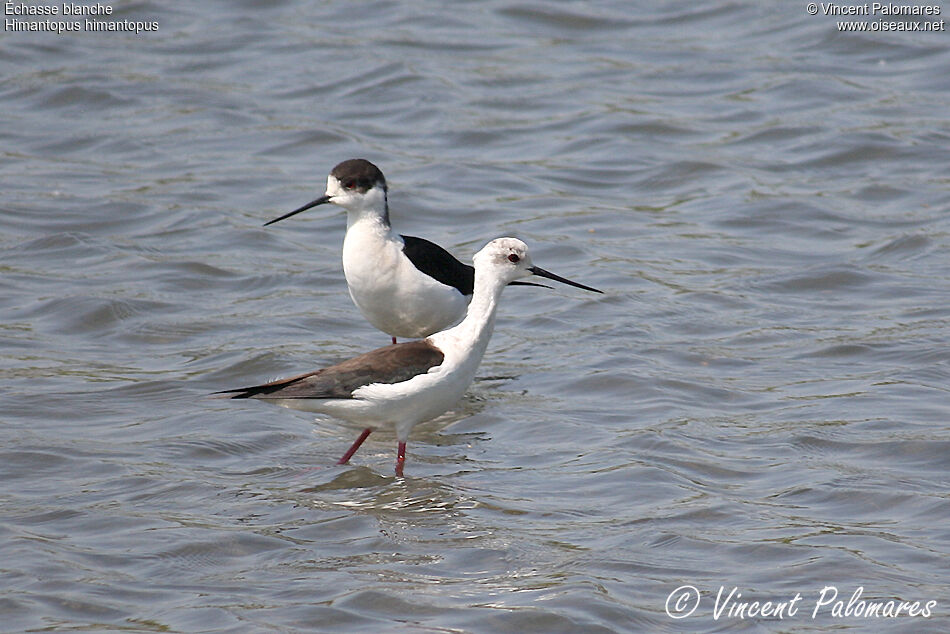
pixel 394 295
pixel 401 405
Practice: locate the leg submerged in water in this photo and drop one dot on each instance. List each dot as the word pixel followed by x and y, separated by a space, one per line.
pixel 400 458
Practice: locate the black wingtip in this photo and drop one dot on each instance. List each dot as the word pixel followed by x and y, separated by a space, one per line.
pixel 245 392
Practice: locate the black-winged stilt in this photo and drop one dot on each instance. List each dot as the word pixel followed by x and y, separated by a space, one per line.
pixel 408 383
pixel 405 286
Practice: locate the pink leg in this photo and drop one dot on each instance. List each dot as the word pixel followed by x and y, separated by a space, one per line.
pixel 400 458
pixel 352 450
pixel 394 341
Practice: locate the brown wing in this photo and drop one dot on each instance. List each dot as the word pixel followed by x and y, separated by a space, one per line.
pixel 391 364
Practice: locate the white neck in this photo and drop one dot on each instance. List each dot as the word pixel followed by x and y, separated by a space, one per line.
pixel 369 219
pixel 475 330
pixel 373 205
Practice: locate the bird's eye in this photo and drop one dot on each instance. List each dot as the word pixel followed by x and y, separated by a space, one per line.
pixel 350 184
pixel 513 257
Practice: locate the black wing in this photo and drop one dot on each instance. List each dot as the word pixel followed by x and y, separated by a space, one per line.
pixel 391 364
pixel 439 264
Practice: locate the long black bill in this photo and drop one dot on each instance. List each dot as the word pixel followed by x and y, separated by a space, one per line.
pixel 537 270
pixel 520 283
pixel 313 203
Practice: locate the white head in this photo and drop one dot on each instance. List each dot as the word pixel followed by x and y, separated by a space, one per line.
pixel 507 260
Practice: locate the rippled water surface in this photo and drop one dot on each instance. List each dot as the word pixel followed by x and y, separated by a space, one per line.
pixel 759 401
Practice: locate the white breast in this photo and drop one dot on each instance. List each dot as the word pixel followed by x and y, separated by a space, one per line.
pixel 390 291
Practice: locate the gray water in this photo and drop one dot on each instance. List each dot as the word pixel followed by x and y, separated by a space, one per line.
pixel 759 401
